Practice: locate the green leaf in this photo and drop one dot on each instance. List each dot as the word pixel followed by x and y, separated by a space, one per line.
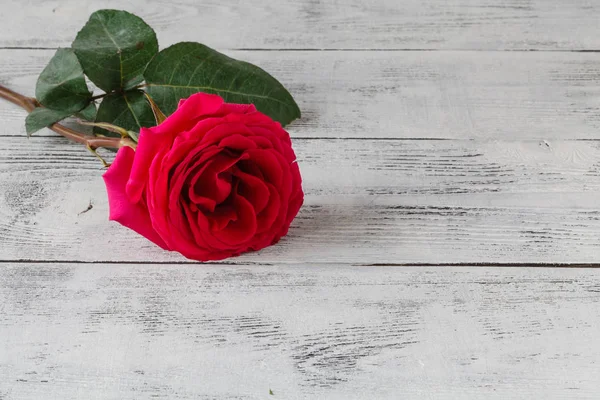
pixel 61 85
pixel 114 48
pixel 42 117
pixel 88 113
pixel 187 68
pixel 129 110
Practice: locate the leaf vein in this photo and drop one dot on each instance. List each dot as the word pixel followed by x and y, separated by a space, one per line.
pixel 137 121
pixel 119 51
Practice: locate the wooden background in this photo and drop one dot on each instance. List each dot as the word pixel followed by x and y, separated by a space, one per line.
pixel 451 163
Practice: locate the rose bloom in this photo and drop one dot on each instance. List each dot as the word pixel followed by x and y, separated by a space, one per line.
pixel 212 181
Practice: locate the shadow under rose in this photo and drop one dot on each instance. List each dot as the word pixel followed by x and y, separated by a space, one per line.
pixel 322 232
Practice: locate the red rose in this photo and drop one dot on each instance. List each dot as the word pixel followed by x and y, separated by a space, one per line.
pixel 212 181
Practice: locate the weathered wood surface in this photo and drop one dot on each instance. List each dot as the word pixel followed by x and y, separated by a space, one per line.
pixel 321 24
pixel 367 201
pixel 487 95
pixel 312 318
pixel 121 332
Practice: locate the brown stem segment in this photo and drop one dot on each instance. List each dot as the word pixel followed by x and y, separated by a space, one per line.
pixel 90 141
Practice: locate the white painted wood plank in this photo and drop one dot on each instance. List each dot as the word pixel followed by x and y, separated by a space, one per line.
pixel 492 95
pixel 309 332
pixel 322 24
pixel 367 201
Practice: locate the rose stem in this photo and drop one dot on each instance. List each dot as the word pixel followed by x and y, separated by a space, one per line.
pixel 92 142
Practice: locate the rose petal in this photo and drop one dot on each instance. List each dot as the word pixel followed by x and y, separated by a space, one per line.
pixel 262 142
pixel 268 163
pixel 238 142
pixel 242 228
pixel 269 136
pixel 251 168
pixel 189 111
pixel 210 182
pixel 132 215
pixel 255 190
pixel 222 216
pixel 266 218
pixel 232 108
pixel 224 130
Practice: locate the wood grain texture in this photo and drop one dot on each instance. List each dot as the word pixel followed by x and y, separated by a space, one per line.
pixel 491 95
pixel 321 24
pixel 121 332
pixel 367 201
pixel 312 318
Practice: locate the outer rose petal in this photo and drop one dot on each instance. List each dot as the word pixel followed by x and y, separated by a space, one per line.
pixel 195 107
pixel 133 216
pixel 231 108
